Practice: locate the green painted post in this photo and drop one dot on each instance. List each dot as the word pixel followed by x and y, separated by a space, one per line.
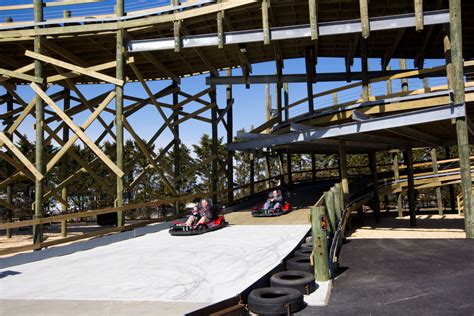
pixel 119 73
pixel 338 203
pixel 461 123
pixel 39 147
pixel 320 243
pixel 329 200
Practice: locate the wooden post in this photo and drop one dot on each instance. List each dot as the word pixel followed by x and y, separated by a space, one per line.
pixel 39 148
pixel 439 200
pixel 408 157
pixel 119 74
pixel 389 83
pixel 419 15
pixel 252 174
pixel 266 22
pixel 320 252
pixel 396 175
pixel 268 103
pixel 176 145
pixel 289 170
pixel 452 196
pixel 215 139
pixel 230 153
pixel 66 14
pixel 364 17
pixel 268 172
pixel 64 228
pixel 338 202
pixel 461 123
pixel 287 100
pixel 310 72
pixel 375 179
pixel 331 210
pixel 278 87
pixel 282 168
pixel 365 70
pixel 64 191
pixel 313 19
pixel 343 168
pixel 9 171
pixel 403 66
pixel 313 167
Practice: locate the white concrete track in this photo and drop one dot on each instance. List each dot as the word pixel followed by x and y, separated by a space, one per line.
pixel 154 267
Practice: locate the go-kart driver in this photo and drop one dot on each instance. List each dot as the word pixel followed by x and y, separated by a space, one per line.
pixel 274 200
pixel 201 213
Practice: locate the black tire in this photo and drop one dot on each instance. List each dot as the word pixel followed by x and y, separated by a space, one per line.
pixel 306 246
pixel 275 301
pixel 299 264
pixel 305 253
pixel 300 280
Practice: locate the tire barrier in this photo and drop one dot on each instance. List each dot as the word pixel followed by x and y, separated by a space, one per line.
pixel 275 301
pixel 300 264
pixel 299 280
pixel 305 253
pixel 306 246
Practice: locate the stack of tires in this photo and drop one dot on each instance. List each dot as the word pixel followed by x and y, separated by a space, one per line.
pixel 287 288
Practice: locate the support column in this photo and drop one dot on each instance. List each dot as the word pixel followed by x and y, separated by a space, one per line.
pixel 439 200
pixel 9 171
pixel 39 147
pixel 313 167
pixel 230 153
pixel 268 103
pixel 279 86
pixel 310 72
pixel 64 191
pixel 365 70
pixel 396 175
pixel 403 66
pixel 215 138
pixel 343 170
pixel 461 123
pixel 282 168
pixel 287 100
pixel 252 174
pixel 452 196
pixel 408 158
pixel 375 179
pixel 176 145
pixel 290 170
pixel 119 73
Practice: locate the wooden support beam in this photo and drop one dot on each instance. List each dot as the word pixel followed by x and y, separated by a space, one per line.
pixel 77 130
pixel 374 174
pixel 18 154
pixel 19 75
pixel 365 70
pixel 214 145
pixel 266 22
pixel 364 18
pixel 177 35
pixel 310 71
pixel 75 137
pixel 313 18
pixel 343 167
pixel 419 15
pixel 461 123
pixel 81 70
pixel 148 156
pixel 46 4
pixel 408 157
pixel 439 200
pixel 396 175
pixel 220 29
pixel 230 139
pixel 72 74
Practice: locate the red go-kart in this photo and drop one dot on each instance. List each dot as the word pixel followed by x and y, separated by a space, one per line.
pixel 261 212
pixel 180 229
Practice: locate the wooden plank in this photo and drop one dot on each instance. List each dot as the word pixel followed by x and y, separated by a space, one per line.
pixel 7 142
pixel 84 127
pixel 19 75
pixel 70 75
pixel 21 70
pixel 75 68
pixel 78 131
pixel 265 22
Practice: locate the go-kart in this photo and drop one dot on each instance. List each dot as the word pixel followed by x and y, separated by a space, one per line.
pixel 180 229
pixel 261 212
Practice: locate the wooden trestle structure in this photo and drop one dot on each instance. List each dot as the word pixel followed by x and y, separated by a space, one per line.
pixel 193 37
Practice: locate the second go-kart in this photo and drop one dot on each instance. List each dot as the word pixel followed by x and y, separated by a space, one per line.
pixel 217 222
pixel 272 211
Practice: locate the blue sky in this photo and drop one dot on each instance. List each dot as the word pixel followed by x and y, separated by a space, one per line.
pixel 249 107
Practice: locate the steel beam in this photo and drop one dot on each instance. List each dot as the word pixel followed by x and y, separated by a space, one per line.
pixel 377 123
pixel 290 32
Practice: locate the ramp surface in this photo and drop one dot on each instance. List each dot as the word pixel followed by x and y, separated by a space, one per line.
pixel 156 267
